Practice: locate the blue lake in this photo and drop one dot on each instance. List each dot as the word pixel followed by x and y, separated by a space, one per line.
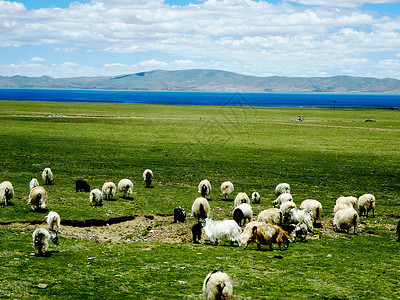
pixel 205 98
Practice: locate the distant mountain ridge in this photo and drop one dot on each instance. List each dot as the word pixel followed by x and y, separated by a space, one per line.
pixel 211 81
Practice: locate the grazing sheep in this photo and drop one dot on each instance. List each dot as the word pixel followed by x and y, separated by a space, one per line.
pixel 96 197
pixel 271 216
pixel 264 234
pixel 109 189
pixel 37 198
pixel 255 198
pixel 339 206
pixel 282 188
pixel 196 232
pixel 33 183
pixel 82 186
pixel 398 231
pixel 297 216
pixel 344 219
pixel 125 186
pixel 41 239
pixel 147 177
pixel 54 221
pixel 6 191
pixel 350 199
pixel 217 286
pixel 227 189
pixel 300 232
pixel 241 198
pixel 47 176
pixel 179 214
pixel 315 207
pixel 282 198
pixel 200 209
pixel 241 213
pixel 285 206
pixel 204 188
pixel 222 230
pixel 366 203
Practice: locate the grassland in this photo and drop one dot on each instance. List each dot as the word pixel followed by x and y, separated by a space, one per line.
pixel 332 153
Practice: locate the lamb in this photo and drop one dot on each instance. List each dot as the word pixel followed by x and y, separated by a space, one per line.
pixel 271 216
pixel 344 219
pixel 82 185
pixel 33 183
pixel 298 216
pixel 200 209
pixel 54 221
pixel 204 188
pixel 315 207
pixel 241 198
pixel 221 230
pixel 282 198
pixel 179 214
pixel 242 213
pixel 147 177
pixel 255 198
pixel 47 176
pixel 285 206
pixel 300 232
pixel 196 232
pixel 6 191
pixel 282 188
pixel 96 197
pixel 366 203
pixel 125 186
pixel 264 234
pixel 109 189
pixel 350 199
pixel 227 189
pixel 38 198
pixel 217 285
pixel 41 239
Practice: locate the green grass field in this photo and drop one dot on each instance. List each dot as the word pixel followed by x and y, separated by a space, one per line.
pixel 333 153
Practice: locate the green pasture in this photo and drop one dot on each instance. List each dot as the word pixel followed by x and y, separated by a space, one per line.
pixel 332 153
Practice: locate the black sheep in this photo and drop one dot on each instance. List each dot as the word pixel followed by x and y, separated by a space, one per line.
pixel 82 186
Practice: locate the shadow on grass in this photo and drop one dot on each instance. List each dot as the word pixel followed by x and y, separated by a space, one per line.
pixel 47 253
pixel 8 204
pixel 38 210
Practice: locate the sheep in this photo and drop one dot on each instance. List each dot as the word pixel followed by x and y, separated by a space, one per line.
pixel 227 189
pixel 241 198
pixel 41 239
pixel 299 215
pixel 147 177
pixel 220 230
pixel 398 231
pixel 282 188
pixel 282 198
pixel 109 189
pixel 264 234
pixel 54 221
pixel 38 198
pixel 344 219
pixel 241 213
pixel 300 232
pixel 315 207
pixel 366 203
pixel 125 186
pixel 47 176
pixel 200 208
pixel 33 183
pixel 204 188
pixel 179 214
pixel 196 232
pixel 350 199
pixel 6 191
pixel 339 206
pixel 255 198
pixel 217 285
pixel 82 185
pixel 271 215
pixel 96 197
pixel 285 206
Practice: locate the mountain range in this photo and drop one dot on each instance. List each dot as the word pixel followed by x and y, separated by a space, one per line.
pixel 210 80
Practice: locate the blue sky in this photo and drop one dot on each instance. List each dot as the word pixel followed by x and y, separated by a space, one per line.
pixel 64 38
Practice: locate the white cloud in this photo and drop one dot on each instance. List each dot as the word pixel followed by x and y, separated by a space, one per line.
pixel 342 3
pixel 38 59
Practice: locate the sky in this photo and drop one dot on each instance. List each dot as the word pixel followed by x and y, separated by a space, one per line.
pixel 307 38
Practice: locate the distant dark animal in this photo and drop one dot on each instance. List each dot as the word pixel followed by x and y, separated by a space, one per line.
pixel 398 231
pixel 179 214
pixel 196 231
pixel 147 177
pixel 82 186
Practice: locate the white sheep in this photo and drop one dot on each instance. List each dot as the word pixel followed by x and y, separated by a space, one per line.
pixel 298 216
pixel 38 198
pixel 227 189
pixel 241 198
pixel 366 203
pixel 96 197
pixel 241 213
pixel 339 206
pixel 344 219
pixel 125 186
pixel 109 188
pixel 6 191
pixel 148 177
pixel 222 230
pixel 271 215
pixel 255 198
pixel 315 207
pixel 41 239
pixel 264 234
pixel 282 188
pixel 200 208
pixel 204 188
pixel 33 183
pixel 282 198
pixel 285 206
pixel 47 176
pixel 53 220
pixel 350 199
pixel 217 285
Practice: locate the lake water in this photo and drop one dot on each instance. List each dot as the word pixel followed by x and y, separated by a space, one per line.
pixel 205 98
